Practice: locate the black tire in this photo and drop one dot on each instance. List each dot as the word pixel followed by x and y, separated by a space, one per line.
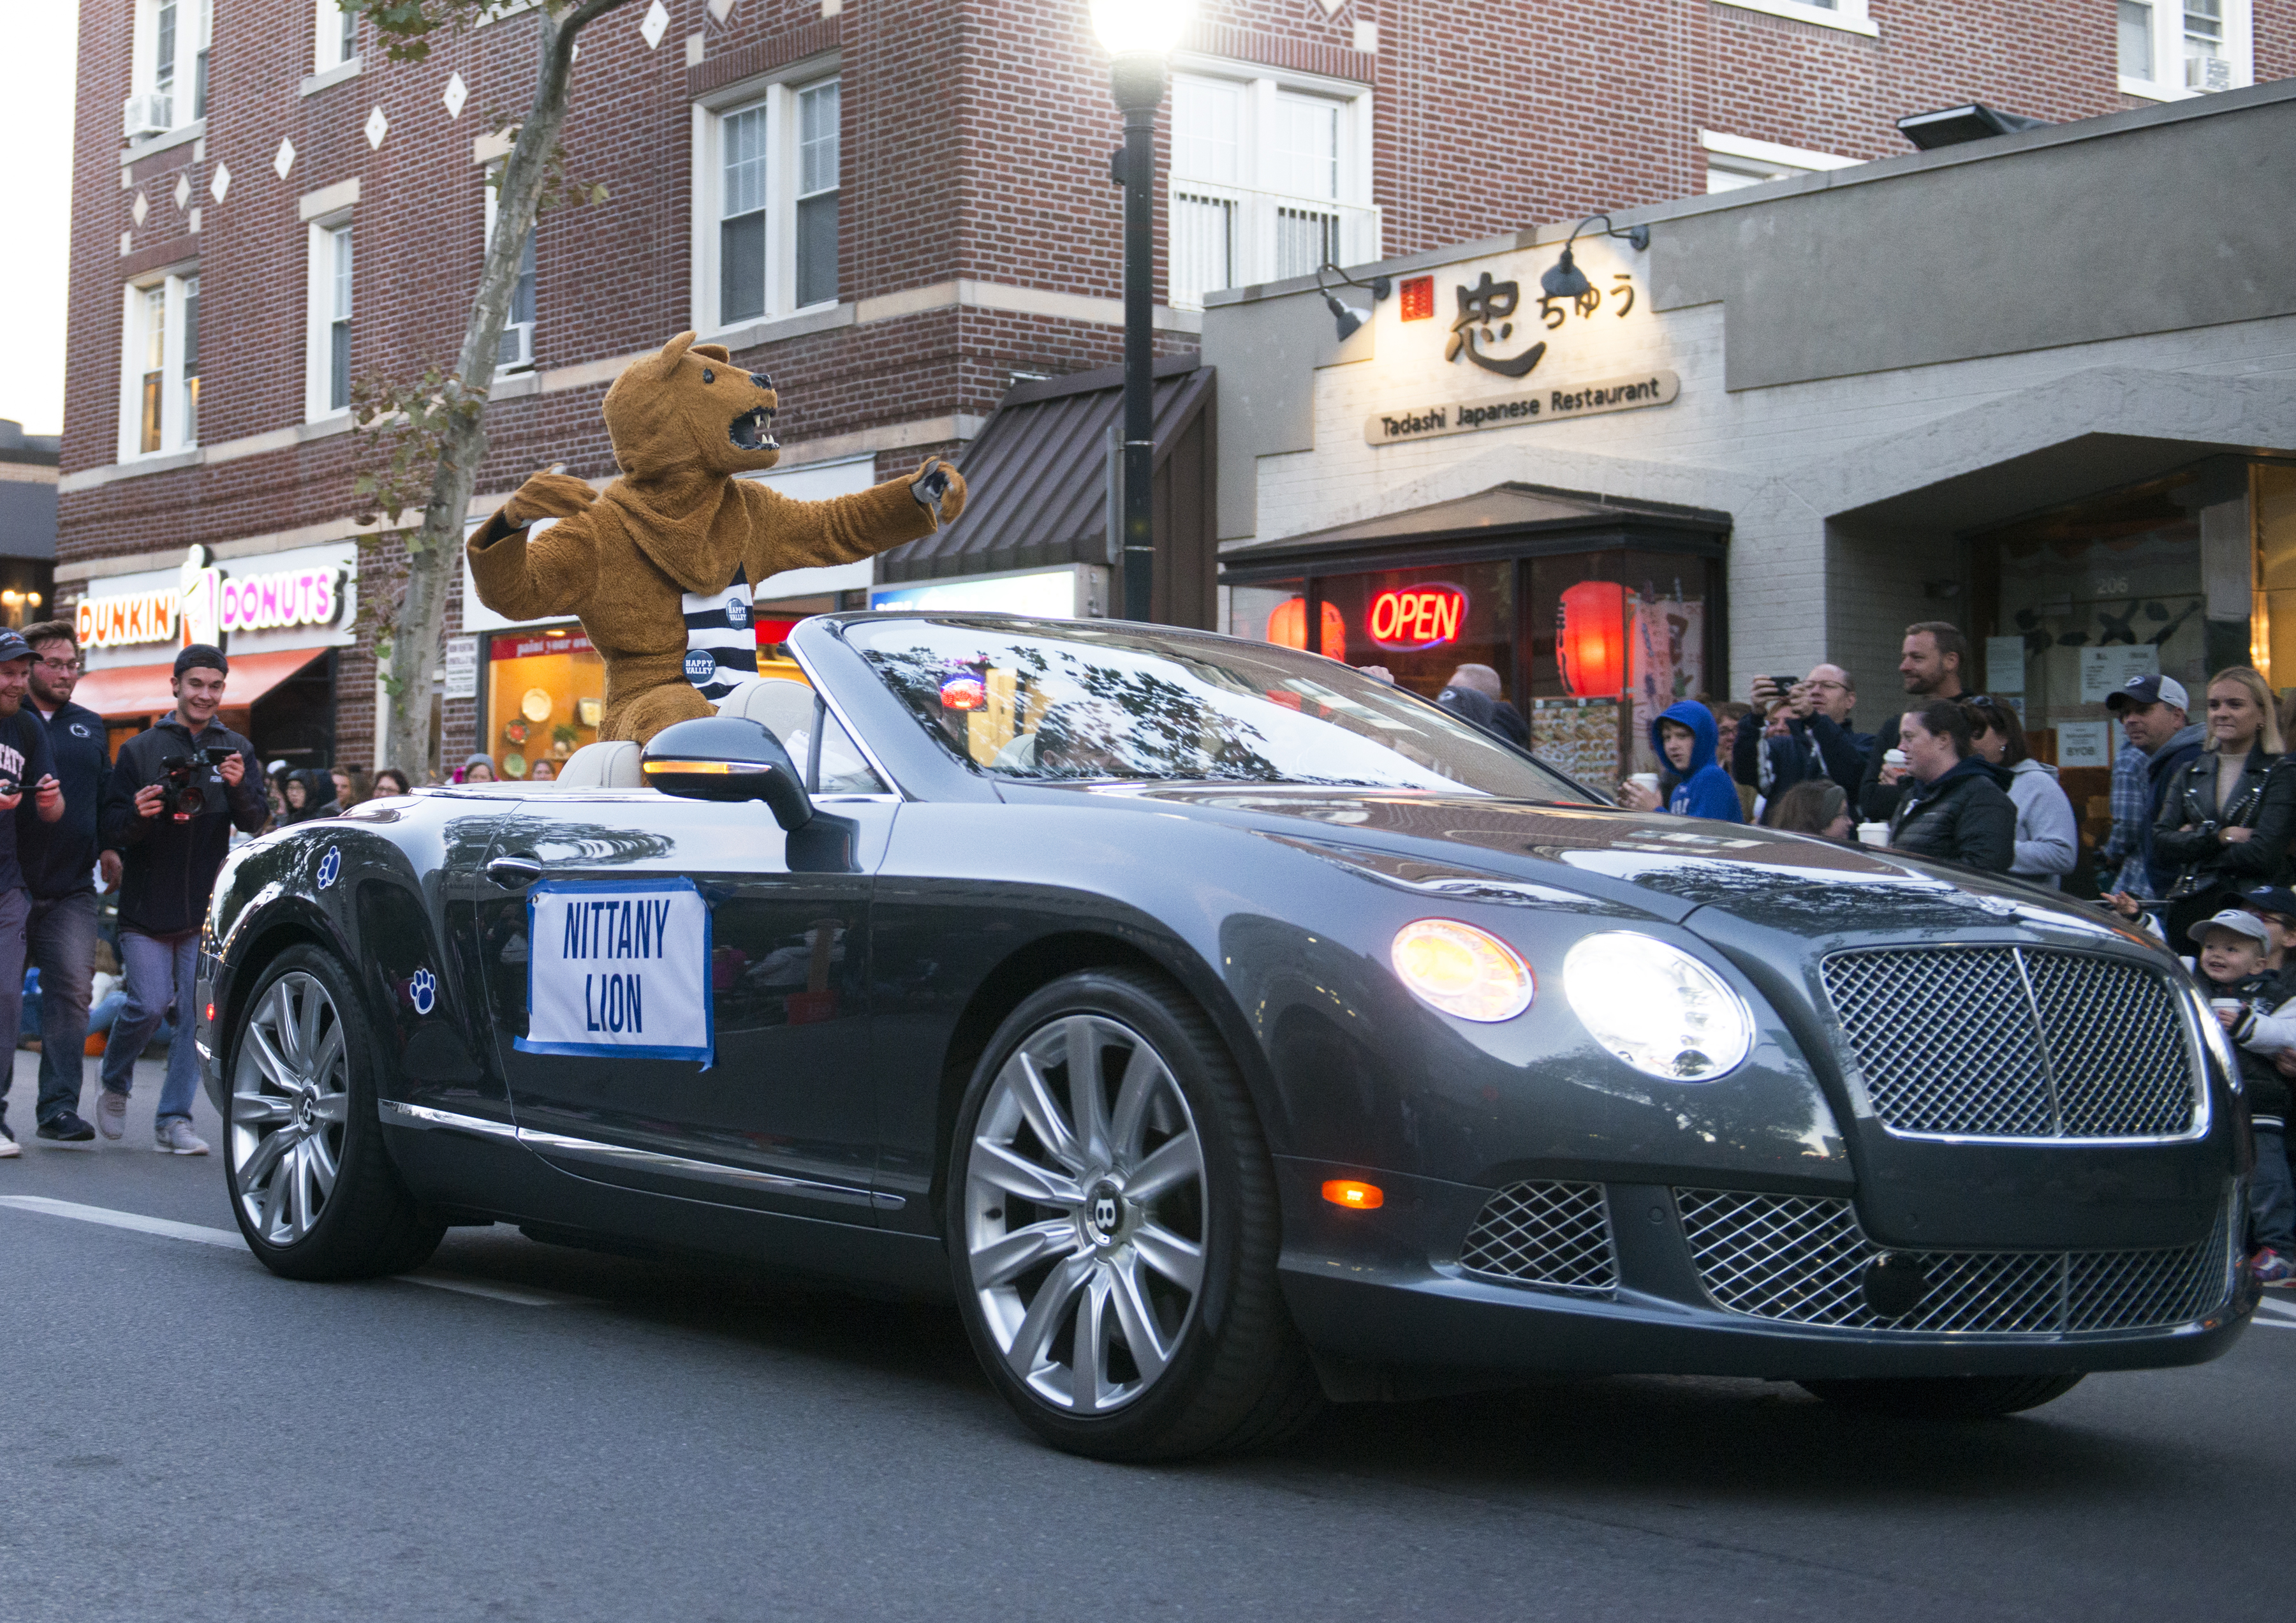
pixel 1945 1397
pixel 364 1224
pixel 1235 1372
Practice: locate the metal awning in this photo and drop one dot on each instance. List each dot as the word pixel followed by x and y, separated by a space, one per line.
pixel 1506 518
pixel 1039 474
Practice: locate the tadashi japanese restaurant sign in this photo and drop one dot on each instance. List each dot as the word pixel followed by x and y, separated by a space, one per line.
pixel 1599 350
pixel 1545 406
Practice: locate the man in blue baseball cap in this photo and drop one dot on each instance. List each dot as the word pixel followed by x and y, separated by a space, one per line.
pixel 29 796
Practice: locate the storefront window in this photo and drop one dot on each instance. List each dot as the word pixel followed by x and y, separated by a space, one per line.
pixel 546 692
pixel 2276 574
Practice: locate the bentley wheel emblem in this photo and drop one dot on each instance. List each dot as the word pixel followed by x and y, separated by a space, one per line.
pixel 1104 1213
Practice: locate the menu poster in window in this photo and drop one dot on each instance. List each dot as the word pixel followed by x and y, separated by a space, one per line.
pixel 1585 737
pixel 2005 665
pixel 1667 644
pixel 2083 743
pixel 2105 670
pixel 460 668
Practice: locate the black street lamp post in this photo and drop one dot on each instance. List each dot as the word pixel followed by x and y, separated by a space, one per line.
pixel 1137 80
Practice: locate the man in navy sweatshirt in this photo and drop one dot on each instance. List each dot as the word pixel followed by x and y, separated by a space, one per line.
pixel 60 865
pixel 28 795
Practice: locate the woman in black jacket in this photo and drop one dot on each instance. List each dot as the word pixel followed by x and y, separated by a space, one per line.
pixel 2226 815
pixel 1954 807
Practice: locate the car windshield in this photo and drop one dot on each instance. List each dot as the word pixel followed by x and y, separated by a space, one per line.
pixel 1046 701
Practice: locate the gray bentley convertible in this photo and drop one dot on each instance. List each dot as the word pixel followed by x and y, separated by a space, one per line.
pixel 1226 1033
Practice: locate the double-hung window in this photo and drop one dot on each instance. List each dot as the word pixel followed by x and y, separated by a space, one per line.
pixel 334 36
pixel 327 337
pixel 515 353
pixel 1271 178
pixel 2171 48
pixel 170 77
pixel 766 176
pixel 159 392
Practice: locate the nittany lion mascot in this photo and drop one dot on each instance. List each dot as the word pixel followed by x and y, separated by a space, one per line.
pixel 678 524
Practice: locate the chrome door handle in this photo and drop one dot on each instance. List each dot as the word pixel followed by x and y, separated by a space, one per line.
pixel 515 872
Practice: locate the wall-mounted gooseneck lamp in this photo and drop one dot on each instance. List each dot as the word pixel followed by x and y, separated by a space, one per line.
pixel 1566 280
pixel 1345 315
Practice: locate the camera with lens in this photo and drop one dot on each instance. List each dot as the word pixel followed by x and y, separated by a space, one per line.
pixel 183 777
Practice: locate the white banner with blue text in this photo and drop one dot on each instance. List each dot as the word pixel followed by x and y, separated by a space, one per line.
pixel 618 969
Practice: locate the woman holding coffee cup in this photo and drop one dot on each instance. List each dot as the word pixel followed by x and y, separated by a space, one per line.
pixel 1954 808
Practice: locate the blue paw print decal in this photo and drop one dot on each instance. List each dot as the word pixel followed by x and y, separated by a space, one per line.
pixel 330 865
pixel 423 988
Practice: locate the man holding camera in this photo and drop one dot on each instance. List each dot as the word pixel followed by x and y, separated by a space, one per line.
pixel 176 792
pixel 28 791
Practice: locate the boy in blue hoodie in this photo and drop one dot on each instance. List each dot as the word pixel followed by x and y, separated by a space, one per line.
pixel 1684 738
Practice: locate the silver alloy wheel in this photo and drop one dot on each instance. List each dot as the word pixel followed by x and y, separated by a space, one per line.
pixel 1085 1214
pixel 290 1098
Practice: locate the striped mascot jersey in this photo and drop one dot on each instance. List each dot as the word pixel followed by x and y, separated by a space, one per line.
pixel 721 642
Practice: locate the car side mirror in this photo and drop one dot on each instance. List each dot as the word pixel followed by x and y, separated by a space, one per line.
pixel 728 758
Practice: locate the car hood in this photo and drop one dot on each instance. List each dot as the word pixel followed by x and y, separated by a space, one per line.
pixel 1664 866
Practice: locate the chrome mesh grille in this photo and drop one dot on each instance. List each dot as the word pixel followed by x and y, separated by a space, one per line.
pixel 2014 1042
pixel 1556 1236
pixel 1800 1259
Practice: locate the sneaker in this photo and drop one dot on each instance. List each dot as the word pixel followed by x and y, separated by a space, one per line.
pixel 67 1128
pixel 8 1144
pixel 2272 1270
pixel 111 1113
pixel 174 1136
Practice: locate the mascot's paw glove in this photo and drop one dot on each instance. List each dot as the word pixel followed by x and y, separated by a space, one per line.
pixel 547 495
pixel 939 490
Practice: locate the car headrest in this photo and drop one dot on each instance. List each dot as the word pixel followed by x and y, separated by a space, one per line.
pixel 614 764
pixel 785 707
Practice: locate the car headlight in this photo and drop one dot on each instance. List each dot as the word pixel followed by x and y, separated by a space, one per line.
pixel 1656 1007
pixel 1461 970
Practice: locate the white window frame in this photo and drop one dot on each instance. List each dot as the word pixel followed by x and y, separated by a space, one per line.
pixel 1252 240
pixel 778 92
pixel 194 21
pixel 2167 81
pixel 319 315
pixel 1754 162
pixel 1850 16
pixel 173 286
pixel 520 333
pixel 327 38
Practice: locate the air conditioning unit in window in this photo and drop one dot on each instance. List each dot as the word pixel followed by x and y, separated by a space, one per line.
pixel 148 112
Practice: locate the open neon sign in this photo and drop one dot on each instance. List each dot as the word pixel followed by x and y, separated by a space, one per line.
pixel 1405 618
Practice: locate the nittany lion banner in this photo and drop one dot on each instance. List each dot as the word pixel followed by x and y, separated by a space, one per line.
pixel 618 969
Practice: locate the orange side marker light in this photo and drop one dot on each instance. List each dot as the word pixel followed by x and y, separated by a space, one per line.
pixel 1354 1194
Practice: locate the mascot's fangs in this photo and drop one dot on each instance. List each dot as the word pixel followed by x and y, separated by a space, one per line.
pixel 683 421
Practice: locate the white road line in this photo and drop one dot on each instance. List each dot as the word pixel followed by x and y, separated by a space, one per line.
pixel 2284 1310
pixel 231 1240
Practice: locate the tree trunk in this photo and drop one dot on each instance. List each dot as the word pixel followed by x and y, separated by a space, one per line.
pixel 434 551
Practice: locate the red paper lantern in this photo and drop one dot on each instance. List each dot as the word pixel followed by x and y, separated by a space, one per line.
pixel 1590 642
pixel 1288 626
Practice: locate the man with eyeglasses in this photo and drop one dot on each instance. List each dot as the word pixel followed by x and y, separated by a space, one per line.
pixel 60 864
pixel 1817 741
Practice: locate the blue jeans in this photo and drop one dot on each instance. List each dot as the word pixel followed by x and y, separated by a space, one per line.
pixel 60 939
pixel 14 906
pixel 159 969
pixel 2272 1196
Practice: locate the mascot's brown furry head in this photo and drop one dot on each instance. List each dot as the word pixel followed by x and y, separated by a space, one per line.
pixel 688 409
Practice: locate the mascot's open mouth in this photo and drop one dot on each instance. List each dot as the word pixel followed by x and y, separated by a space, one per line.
pixel 754 430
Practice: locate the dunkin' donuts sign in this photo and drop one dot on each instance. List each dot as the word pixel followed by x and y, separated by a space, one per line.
pixel 206 602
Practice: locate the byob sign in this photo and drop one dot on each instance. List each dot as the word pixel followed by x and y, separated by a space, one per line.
pixel 618 969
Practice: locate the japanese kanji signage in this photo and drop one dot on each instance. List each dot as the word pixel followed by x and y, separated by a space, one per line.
pixel 1593 352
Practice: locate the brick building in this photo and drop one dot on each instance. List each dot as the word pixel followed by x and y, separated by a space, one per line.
pixel 899 208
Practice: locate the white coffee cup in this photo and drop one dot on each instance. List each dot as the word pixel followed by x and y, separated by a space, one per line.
pixel 1647 781
pixel 1872 834
pixel 2229 1004
pixel 1894 757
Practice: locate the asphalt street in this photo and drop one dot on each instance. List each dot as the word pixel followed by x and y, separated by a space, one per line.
pixel 523 1431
